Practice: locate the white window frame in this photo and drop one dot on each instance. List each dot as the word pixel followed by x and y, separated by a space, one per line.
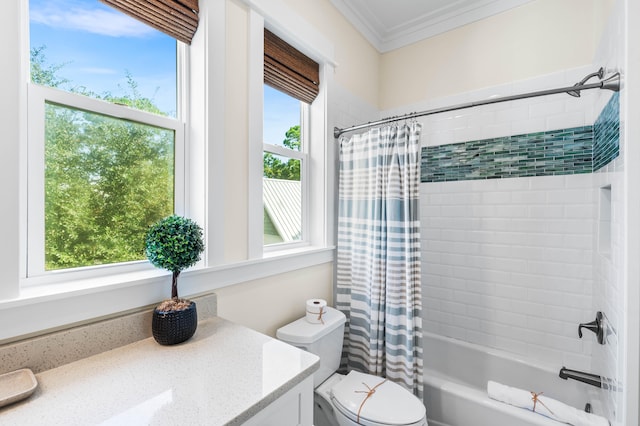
pixel 37 98
pixel 319 181
pixel 303 157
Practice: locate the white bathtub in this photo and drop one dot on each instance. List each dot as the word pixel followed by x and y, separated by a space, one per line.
pixel 455 388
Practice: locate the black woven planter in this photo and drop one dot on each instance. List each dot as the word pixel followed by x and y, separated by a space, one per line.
pixel 172 327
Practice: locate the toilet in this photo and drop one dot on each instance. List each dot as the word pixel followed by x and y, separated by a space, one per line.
pixel 341 400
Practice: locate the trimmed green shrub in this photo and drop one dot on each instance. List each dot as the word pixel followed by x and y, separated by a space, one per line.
pixel 174 243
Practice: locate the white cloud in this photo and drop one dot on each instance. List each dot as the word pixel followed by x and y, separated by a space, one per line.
pixel 70 15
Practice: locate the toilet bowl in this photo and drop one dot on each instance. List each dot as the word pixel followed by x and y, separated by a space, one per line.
pixel 356 398
pixel 340 398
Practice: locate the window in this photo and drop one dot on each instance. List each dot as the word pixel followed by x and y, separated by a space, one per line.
pixel 105 140
pixel 285 159
pixel 291 84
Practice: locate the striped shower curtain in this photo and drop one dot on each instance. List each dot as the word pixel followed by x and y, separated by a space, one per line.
pixel 378 261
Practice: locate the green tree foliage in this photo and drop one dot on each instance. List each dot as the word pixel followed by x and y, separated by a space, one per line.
pixel 43 74
pixel 106 179
pixel 275 167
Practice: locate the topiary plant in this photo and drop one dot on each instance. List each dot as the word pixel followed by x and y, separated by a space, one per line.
pixel 174 243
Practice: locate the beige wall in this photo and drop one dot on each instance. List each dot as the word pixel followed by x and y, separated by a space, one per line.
pixel 358 61
pixel 540 37
pixel 267 304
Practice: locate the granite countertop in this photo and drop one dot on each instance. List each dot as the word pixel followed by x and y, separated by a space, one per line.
pixel 223 375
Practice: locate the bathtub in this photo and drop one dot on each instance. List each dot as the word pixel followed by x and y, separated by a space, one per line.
pixel 455 385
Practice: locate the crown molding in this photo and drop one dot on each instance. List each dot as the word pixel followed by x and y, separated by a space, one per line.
pixel 425 24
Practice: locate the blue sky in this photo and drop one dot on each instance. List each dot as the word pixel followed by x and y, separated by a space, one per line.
pixel 281 112
pixel 98 45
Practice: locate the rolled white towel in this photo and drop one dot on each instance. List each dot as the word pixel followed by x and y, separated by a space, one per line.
pixel 545 406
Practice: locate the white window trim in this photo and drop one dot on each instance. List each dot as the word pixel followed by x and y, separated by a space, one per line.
pixel 318 205
pixel 38 96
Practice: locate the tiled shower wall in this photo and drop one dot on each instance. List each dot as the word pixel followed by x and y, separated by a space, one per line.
pixel 508 262
pixel 508 257
pixel 609 238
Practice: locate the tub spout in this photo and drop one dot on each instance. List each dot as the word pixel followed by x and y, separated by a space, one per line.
pixel 581 376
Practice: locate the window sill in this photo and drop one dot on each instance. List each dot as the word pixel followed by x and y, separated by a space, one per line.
pixel 56 306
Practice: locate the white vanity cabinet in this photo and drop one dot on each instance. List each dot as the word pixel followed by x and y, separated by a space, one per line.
pixel 294 408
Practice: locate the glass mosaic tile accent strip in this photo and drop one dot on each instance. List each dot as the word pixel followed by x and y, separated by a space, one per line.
pixel 606 144
pixel 558 152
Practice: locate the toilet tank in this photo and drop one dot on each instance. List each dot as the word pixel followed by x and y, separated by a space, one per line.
pixel 323 340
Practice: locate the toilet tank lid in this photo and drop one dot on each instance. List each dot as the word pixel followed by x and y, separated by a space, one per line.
pixel 303 332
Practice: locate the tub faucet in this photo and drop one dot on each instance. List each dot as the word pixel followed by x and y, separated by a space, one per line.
pixel 597 326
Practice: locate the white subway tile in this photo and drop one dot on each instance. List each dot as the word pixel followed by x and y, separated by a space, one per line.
pixel 546 297
pixel 438 293
pixel 482 287
pixel 515 113
pixel 453 234
pixel 529 197
pixel 570 196
pixel 480 313
pixel 511 318
pixel 580 211
pixel 454 283
pixel 583 181
pixel 574 226
pixel 547 211
pixel 530 125
pixel 562 313
pixel 481 118
pixel 495 130
pixel 510 292
pixel 495 263
pixel 453 259
pixel 547 182
pixel 496 197
pixel 566 120
pixel 546 109
pixel 560 269
pixel 441 138
pixel 466 322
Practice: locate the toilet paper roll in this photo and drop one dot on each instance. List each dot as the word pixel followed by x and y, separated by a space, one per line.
pixel 316 308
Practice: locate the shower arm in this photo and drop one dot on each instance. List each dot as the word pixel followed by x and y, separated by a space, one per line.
pixel 610 83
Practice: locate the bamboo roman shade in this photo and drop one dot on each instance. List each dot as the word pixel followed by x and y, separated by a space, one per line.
pixel 289 70
pixel 177 18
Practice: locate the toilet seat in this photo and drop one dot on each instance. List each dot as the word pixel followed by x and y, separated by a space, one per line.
pixel 391 404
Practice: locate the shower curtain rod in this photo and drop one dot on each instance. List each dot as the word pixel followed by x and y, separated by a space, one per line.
pixel 610 83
